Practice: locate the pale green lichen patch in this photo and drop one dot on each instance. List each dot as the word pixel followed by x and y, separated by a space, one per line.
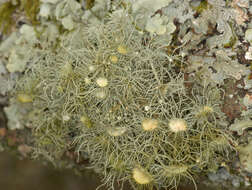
pixel 248 35
pixel 240 126
pixel 245 155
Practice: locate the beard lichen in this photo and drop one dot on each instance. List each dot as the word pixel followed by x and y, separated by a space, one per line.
pixel 113 93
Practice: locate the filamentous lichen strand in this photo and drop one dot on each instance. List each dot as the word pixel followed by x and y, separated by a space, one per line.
pixel 117 96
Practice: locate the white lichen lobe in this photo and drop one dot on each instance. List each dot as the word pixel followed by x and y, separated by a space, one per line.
pixel 149 124
pixel 102 82
pixel 141 176
pixel 116 131
pixel 177 125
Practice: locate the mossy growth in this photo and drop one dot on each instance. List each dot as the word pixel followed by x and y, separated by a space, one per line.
pixel 6 12
pixel 31 9
pixel 10 10
pixel 89 4
pixel 203 5
pixel 134 116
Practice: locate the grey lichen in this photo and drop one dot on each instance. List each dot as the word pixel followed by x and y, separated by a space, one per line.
pixel 240 126
pixel 245 155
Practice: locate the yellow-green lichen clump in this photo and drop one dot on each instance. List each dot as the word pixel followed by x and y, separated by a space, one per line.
pixel 109 88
